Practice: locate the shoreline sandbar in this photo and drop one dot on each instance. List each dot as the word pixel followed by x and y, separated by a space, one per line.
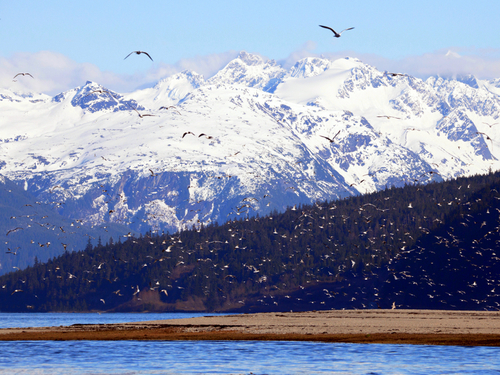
pixel 426 327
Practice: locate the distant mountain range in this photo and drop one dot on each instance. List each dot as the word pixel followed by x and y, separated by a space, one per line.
pixel 253 139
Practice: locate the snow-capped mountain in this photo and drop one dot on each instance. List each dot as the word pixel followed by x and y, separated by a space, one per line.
pixel 251 139
pixel 252 71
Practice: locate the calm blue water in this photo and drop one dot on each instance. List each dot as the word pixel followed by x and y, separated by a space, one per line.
pixel 224 357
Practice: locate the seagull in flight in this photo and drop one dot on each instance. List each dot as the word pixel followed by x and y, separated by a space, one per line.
pixel 138 53
pixel 100 91
pixel 490 125
pixel 331 139
pixel 389 117
pixel 171 106
pixel 186 133
pixel 487 137
pixel 386 73
pixel 140 115
pixel 13 230
pixel 21 74
pixel 337 35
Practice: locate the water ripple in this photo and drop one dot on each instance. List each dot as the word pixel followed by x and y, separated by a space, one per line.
pixel 241 357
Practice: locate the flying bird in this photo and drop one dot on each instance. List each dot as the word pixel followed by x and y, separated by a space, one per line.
pixel 10 251
pixel 186 133
pixel 395 74
pixel 21 74
pixel 206 136
pixel 138 53
pixel 169 249
pixel 13 230
pixel 490 125
pixel 354 183
pixel 487 137
pixel 331 139
pixel 140 115
pixel 171 106
pixel 337 35
pixel 389 117
pixel 100 91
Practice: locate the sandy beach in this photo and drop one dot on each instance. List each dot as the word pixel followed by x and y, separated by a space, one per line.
pixel 475 328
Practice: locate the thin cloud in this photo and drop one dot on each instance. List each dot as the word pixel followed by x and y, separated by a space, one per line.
pixel 52 72
pixel 207 66
pixel 449 62
pixel 55 73
pixel 305 50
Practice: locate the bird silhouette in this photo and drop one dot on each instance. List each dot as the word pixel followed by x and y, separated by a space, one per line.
pixel 138 53
pixel 389 117
pixel 186 133
pixel 100 91
pixel 487 137
pixel 13 230
pixel 490 125
pixel 331 139
pixel 140 115
pixel 168 107
pixel 336 34
pixel 206 136
pixel 21 74
pixel 395 74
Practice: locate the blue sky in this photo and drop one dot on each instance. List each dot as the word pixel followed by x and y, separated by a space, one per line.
pixel 63 42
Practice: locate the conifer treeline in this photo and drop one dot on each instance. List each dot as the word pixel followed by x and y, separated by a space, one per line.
pixel 263 263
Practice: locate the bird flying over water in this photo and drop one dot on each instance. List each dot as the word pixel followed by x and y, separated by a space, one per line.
pixel 138 53
pixel 337 35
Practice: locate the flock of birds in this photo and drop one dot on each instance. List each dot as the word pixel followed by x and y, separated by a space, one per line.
pixel 304 219
pixel 380 237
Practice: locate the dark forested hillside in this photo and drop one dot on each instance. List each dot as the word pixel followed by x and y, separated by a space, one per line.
pixel 421 246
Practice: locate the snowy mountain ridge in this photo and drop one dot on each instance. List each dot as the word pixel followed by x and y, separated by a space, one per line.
pixel 251 139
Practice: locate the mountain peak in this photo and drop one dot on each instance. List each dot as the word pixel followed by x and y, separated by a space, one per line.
pixel 313 66
pixel 250 58
pixel 93 97
pixel 170 90
pixel 194 78
pixel 250 70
